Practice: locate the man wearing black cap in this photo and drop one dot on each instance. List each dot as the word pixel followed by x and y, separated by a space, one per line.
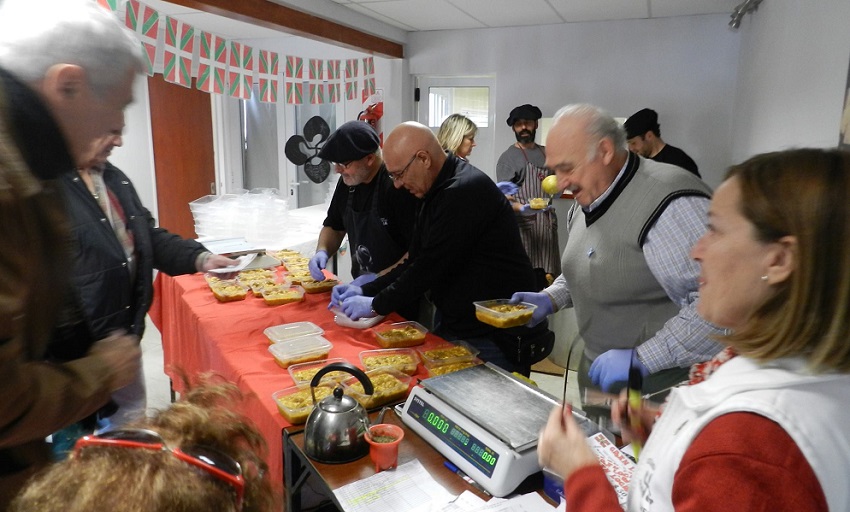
pixel 377 217
pixel 520 172
pixel 643 134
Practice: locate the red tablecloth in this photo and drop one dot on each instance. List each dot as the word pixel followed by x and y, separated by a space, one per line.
pixel 200 334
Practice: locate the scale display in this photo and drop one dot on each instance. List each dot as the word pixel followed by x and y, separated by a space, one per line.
pixel 459 439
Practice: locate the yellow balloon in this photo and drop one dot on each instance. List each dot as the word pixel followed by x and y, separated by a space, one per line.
pixel 550 185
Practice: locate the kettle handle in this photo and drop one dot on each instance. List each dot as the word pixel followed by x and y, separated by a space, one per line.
pixel 348 368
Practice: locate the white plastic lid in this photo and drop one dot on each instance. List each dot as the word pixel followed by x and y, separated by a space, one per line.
pixel 292 330
pixel 363 323
pixel 300 347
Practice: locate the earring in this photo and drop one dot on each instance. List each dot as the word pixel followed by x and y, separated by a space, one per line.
pixel 764 277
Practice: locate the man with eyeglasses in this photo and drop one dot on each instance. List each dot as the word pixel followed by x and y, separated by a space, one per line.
pixel 377 217
pixel 466 248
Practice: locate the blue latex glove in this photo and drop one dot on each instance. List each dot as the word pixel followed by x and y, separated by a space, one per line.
pixel 357 307
pixel 613 366
pixel 539 299
pixel 318 262
pixel 508 188
pixel 341 292
pixel 364 279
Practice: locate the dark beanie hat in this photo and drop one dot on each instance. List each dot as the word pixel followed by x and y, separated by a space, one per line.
pixel 351 141
pixel 640 122
pixel 524 112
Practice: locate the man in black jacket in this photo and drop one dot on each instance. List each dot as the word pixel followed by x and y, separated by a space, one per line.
pixel 466 247
pixel 116 247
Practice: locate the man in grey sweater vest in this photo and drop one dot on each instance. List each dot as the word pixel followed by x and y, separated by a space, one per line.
pixel 626 267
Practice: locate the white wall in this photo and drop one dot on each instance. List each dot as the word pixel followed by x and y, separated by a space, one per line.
pixel 792 77
pixel 685 68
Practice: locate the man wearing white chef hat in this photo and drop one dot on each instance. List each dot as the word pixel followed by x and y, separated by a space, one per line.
pixel 466 247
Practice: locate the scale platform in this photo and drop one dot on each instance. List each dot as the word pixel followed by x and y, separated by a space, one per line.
pixel 484 420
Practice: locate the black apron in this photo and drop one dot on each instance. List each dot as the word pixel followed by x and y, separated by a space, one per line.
pixel 372 248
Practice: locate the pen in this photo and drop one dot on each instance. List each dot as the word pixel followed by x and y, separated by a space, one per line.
pixel 465 477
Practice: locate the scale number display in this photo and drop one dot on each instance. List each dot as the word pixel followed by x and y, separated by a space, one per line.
pixel 459 439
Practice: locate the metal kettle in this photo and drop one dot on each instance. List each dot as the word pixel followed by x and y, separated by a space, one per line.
pixel 336 428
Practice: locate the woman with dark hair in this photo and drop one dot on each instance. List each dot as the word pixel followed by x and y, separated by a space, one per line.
pixel 767 427
pixel 198 455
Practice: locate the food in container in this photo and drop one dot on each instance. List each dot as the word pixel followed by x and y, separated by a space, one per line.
pixel 303 373
pixel 248 276
pixel 300 276
pixel 228 290
pixel 404 360
pixel 447 353
pixel 501 313
pixel 285 332
pixel 300 350
pixel 538 203
pixel 257 286
pixel 282 294
pixel 313 286
pixel 389 386
pixel 400 334
pixel 443 369
pixel 296 402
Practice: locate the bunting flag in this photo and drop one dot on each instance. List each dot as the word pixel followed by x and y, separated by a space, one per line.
pixel 294 92
pixel 317 69
pixel 368 88
pixel 117 7
pixel 317 94
pixel 368 66
pixel 333 93
pixel 269 69
pixel 144 21
pixel 212 63
pixel 240 73
pixel 333 69
pixel 351 69
pixel 179 47
pixel 351 90
pixel 294 67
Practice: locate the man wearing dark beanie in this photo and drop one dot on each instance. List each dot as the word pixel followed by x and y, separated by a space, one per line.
pixel 643 133
pixel 377 217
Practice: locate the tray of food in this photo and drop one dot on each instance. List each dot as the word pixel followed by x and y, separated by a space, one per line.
pixel 228 290
pixel 501 313
pixel 434 371
pixel 313 286
pixel 404 360
pixel 286 332
pixel 538 203
pixel 389 386
pixel 297 277
pixel 400 334
pixel 282 294
pixel 295 403
pixel 303 373
pixel 300 350
pixel 450 352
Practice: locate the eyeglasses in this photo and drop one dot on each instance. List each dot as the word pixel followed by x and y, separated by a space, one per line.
pixel 395 176
pixel 344 165
pixel 217 464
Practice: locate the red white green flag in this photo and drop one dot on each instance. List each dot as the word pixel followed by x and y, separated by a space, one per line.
pixel 351 90
pixel 179 47
pixel 333 69
pixel 368 88
pixel 144 21
pixel 240 74
pixel 351 69
pixel 317 94
pixel 269 70
pixel 116 7
pixel 294 67
pixel 294 92
pixel 212 63
pixel 368 66
pixel 333 93
pixel 317 69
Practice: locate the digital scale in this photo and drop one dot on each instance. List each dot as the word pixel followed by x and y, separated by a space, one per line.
pixel 485 421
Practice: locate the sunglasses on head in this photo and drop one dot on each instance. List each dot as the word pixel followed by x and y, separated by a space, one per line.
pixel 219 465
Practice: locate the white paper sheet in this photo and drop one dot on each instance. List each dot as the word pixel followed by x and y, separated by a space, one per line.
pixel 408 488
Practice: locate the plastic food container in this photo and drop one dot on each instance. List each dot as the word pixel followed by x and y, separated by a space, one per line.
pixel 501 313
pixel 319 286
pixel 298 276
pixel 296 402
pixel 303 373
pixel 405 360
pixel 228 290
pixel 537 203
pixel 390 386
pixel 300 350
pixel 447 353
pixel 282 294
pixel 400 334
pixel 362 323
pixel 435 371
pixel 285 332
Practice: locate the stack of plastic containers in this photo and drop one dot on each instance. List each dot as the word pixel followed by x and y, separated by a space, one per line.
pixel 258 216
